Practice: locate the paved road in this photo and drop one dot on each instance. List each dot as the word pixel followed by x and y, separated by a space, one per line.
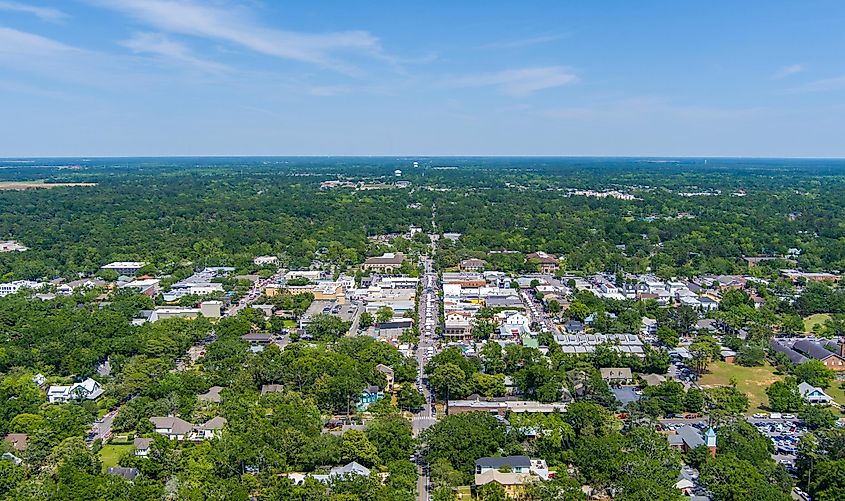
pixel 102 428
pixel 356 318
pixel 429 315
pixel 254 293
pixel 536 312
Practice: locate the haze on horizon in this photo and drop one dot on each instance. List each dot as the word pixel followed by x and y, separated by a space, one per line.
pixel 252 77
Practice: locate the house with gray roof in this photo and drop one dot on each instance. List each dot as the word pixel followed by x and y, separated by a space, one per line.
pixel 781 347
pixel 816 350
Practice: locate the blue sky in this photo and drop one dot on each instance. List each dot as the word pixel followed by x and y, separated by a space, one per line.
pixel 371 77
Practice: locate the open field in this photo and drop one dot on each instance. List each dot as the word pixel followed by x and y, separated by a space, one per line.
pixel 752 381
pixel 110 454
pixel 812 320
pixel 26 185
pixel 836 392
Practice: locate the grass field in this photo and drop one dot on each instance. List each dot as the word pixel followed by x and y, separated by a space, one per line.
pixel 752 381
pixel 110 454
pixel 818 318
pixel 837 393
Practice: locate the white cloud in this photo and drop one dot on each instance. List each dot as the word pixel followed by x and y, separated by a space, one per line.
pixel 43 13
pixel 234 25
pixel 520 82
pixel 160 45
pixel 14 43
pixel 823 85
pixel 789 70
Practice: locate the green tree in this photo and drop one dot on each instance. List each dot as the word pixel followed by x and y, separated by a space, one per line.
pixel 492 492
pixel 449 380
pixel 784 396
pixel 732 479
pixel 384 314
pixel 460 439
pixel 815 417
pixel 355 446
pixel 728 399
pixel 667 336
pixel 814 372
pixel 392 437
pixel 409 398
pixel 365 320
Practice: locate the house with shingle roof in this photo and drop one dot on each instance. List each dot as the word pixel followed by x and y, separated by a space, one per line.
pixel 813 349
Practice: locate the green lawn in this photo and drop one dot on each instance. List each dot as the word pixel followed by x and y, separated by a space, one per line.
pixel 837 393
pixel 752 381
pixel 818 318
pixel 110 454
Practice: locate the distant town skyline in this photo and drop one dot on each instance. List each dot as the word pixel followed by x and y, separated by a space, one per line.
pixel 225 77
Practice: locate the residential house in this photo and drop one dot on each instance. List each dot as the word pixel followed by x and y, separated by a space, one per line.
pixel 348 470
pixel 370 395
pixel 211 396
pixel 127 473
pixel 210 428
pixel 386 263
pixel 574 326
pixel 142 446
pixel 814 395
pixel 516 464
pixel 86 390
pixel 473 264
pixel 178 429
pixel 272 388
pixel 258 341
pixel 172 427
pixel 617 376
pixel 388 374
pixel 512 473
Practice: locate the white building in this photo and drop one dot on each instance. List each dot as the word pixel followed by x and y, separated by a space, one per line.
pixel 265 260
pixel 87 390
pixel 813 395
pixel 128 268
pixel 15 287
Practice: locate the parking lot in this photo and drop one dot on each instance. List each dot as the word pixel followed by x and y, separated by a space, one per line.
pixel 345 311
pixel 785 436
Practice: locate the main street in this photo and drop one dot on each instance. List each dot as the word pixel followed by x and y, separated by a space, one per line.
pixel 429 316
pixel 254 293
pixel 537 313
